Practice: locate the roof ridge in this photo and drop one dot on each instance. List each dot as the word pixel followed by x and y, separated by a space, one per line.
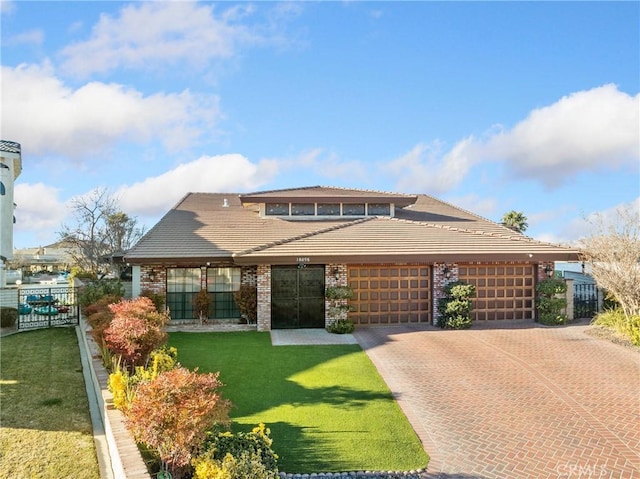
pixel 366 190
pixel 513 237
pixel 464 210
pixel 291 239
pixel 343 188
pixel 279 190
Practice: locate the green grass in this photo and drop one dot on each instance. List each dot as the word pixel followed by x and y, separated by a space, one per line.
pixel 44 414
pixel 327 407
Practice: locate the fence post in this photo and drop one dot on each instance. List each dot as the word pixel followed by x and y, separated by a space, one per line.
pixel 569 294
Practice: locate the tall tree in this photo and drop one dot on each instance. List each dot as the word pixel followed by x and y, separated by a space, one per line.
pixel 100 230
pixel 515 220
pixel 612 249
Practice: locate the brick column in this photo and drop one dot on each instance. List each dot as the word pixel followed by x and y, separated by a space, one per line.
pixel 264 297
pixel 334 275
pixel 440 280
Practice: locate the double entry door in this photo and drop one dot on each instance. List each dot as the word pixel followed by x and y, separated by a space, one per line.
pixel 297 297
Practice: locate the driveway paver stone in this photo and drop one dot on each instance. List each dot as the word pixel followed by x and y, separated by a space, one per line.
pixel 515 399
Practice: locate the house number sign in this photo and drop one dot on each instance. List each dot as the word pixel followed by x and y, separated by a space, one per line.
pixel 303 259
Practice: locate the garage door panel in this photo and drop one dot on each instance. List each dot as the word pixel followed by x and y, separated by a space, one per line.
pixel 502 291
pixel 390 294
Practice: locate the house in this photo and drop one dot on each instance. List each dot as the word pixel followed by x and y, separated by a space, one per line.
pixel 396 251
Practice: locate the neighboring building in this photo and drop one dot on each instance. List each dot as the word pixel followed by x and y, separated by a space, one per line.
pixel 52 258
pixel 10 168
pixel 396 251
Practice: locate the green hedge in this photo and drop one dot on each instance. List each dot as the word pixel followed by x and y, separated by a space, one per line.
pixel 8 317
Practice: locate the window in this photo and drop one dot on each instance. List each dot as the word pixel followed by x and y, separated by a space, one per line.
pixel 182 286
pixel 277 209
pixel 221 284
pixel 303 209
pixel 381 209
pixel 328 209
pixel 353 209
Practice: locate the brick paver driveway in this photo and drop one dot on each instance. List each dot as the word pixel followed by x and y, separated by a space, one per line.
pixel 515 399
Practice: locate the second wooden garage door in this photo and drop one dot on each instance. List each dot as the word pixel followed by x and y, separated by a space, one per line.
pixel 390 294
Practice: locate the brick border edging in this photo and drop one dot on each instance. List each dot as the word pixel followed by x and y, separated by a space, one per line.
pixel 126 460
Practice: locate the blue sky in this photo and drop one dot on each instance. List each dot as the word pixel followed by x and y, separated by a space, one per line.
pixel 492 106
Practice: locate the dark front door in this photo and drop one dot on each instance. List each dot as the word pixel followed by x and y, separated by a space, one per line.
pixel 297 297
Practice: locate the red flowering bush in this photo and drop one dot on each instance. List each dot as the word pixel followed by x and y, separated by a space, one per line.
pixel 135 330
pixel 173 412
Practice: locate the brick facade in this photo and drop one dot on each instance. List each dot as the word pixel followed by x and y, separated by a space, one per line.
pixel 263 280
pixel 443 274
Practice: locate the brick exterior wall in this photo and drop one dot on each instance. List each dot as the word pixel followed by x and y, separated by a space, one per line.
pixel 153 277
pixel 334 275
pixel 263 280
pixel 440 280
pixel 542 270
pixel 249 275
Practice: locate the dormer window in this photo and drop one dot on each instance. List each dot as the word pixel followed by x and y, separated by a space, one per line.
pixel 303 209
pixel 378 209
pixel 355 209
pixel 277 209
pixel 328 209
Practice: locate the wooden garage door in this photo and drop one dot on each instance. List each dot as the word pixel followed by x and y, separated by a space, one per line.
pixel 503 291
pixel 390 294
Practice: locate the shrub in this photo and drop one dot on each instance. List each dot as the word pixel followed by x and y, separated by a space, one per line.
pixel 99 316
pixel 135 330
pixel 201 303
pixel 237 456
pixel 338 308
pixel 245 466
pixel 455 307
pixel 8 317
pixel 123 386
pixel 341 326
pixel 173 412
pixel 92 292
pixel 615 319
pixel 246 299
pixel 156 299
pixel 548 304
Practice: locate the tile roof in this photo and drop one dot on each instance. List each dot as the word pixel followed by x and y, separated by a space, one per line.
pixel 201 228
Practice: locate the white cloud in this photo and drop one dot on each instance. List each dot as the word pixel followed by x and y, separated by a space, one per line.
pixel 7 7
pixel 587 130
pixel 38 209
pixel 593 130
pixel 223 173
pixel 424 169
pixel 49 117
pixel 160 33
pixel 29 37
pixel 485 207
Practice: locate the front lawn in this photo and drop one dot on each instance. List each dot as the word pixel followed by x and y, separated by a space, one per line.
pixel 46 427
pixel 327 407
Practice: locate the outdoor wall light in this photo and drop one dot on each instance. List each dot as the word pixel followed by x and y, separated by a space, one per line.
pixel 152 275
pixel 549 271
pixel 336 273
pixel 447 272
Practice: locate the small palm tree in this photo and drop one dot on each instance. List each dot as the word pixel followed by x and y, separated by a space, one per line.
pixel 515 220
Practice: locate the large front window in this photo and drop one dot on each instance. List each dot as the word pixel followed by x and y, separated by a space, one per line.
pixel 182 286
pixel 221 284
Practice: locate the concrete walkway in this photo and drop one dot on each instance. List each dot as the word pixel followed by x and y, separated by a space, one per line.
pixel 308 337
pixel 515 400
